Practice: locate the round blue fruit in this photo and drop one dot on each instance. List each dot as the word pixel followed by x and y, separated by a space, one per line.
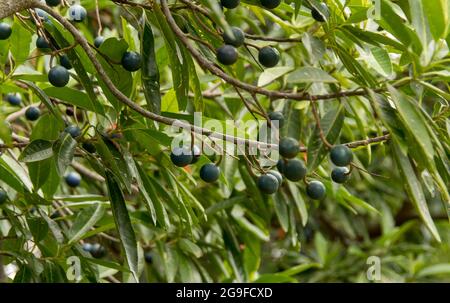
pixel 32 113
pixel 294 170
pixel 230 3
pixel 181 157
pixel 316 190
pixel 268 56
pixel 148 256
pixel 210 173
pixel 131 61
pixel 53 2
pixel 42 44
pixel 14 99
pixel 340 174
pixel 277 116
pixel 3 196
pixel 73 179
pixel 341 155
pixel 277 175
pixel 280 165
pixel 5 31
pixel 289 147
pixel 97 251
pixel 89 147
pixel 58 76
pixel 77 13
pixel 73 130
pixel 65 62
pixel 268 184
pixel 237 39
pixel 227 55
pixel 270 4
pixel 98 41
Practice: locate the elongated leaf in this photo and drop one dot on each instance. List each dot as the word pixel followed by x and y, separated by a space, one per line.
pixel 331 125
pixel 36 151
pixel 150 71
pixel 84 221
pixel 64 149
pixel 310 75
pixel 123 223
pixel 414 189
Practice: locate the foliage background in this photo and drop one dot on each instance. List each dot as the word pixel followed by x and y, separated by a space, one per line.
pixel 197 232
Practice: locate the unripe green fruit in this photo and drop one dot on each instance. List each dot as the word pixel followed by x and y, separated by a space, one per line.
pixel 32 113
pixel 294 170
pixel 89 147
pixel 53 2
pixel 268 56
pixel 73 130
pixel 58 76
pixel 315 190
pixel 3 196
pixel 65 62
pixel 277 116
pixel 77 13
pixel 210 173
pixel 181 156
pixel 73 179
pixel 341 155
pixel 14 99
pixel 270 4
pixel 227 55
pixel 340 174
pixel 230 3
pixel 276 175
pixel 99 41
pixel 318 16
pixel 289 147
pixel 5 31
pixel 131 61
pixel 268 184
pixel 237 39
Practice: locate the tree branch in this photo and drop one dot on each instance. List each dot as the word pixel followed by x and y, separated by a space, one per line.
pixel 9 7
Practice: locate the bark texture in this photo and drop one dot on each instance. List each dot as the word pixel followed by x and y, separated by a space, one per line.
pixel 9 7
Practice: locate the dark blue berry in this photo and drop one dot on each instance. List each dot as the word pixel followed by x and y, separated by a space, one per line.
pixel 230 3
pixel 99 41
pixel 32 113
pixel 73 179
pixel 237 39
pixel 289 147
pixel 14 99
pixel 315 190
pixel 131 61
pixel 227 55
pixel 268 184
pixel 294 170
pixel 268 56
pixel 58 76
pixel 341 155
pixel 209 173
pixel 340 174
pixel 181 156
pixel 5 31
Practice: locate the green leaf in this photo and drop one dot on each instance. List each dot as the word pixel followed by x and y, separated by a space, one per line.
pixel 38 228
pixel 271 74
pixel 331 125
pixel 20 42
pixel 36 151
pixel 414 189
pixel 123 224
pixel 73 96
pixel 310 75
pixel 150 70
pixel 64 148
pixel 438 15
pixel 84 221
pixel 190 248
pixel 434 270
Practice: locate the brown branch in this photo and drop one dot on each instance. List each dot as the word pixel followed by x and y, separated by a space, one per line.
pixel 207 65
pixel 125 100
